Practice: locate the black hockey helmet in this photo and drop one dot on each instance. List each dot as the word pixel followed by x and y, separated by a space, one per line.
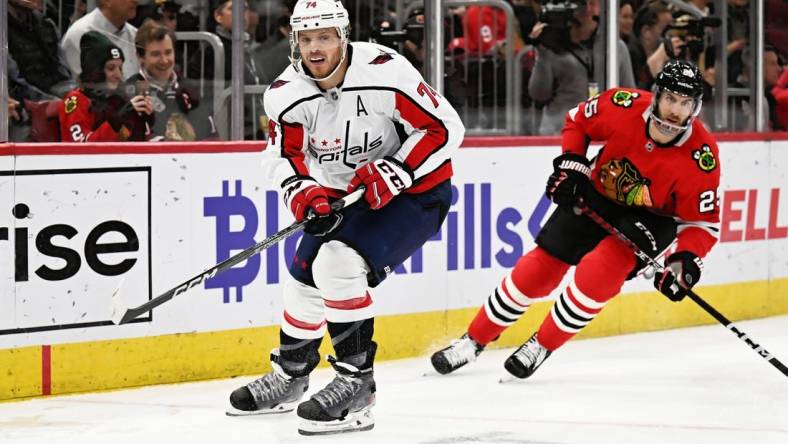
pixel 679 77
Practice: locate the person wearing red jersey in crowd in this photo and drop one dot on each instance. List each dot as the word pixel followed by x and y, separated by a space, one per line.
pixel 98 110
pixel 655 179
pixel 484 28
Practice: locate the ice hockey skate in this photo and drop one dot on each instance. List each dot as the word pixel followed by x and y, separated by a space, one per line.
pixel 274 392
pixel 526 359
pixel 457 354
pixel 343 405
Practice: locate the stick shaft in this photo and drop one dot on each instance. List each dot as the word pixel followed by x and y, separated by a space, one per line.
pixel 762 352
pixel 132 313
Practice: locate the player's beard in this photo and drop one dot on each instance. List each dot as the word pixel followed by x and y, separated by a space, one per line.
pixel 323 70
pixel 670 126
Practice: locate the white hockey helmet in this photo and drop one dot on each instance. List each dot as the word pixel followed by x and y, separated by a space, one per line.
pixel 318 14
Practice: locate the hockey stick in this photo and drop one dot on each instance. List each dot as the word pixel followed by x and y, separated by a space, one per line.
pixel 122 314
pixel 593 215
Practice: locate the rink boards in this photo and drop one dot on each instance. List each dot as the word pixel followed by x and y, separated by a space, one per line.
pixel 77 220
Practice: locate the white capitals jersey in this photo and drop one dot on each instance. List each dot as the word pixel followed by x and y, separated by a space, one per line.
pixel 382 108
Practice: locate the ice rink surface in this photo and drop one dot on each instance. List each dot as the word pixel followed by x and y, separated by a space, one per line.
pixel 696 385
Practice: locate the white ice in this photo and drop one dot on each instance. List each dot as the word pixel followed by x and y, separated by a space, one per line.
pixel 697 385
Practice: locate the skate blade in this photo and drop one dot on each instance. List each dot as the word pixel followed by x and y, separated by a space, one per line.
pixel 281 408
pixel 354 422
pixel 508 378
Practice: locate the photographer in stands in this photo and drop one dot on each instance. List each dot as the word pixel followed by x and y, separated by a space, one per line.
pixel 567 69
pixel 685 38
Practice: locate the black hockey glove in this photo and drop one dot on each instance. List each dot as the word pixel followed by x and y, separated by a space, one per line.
pixel 322 225
pixel 569 180
pixel 682 272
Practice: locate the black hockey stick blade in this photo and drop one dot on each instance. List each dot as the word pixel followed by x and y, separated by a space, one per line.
pixel 771 359
pixel 121 314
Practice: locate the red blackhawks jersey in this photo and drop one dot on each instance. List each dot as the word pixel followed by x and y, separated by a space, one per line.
pixel 678 180
pixel 82 121
pixel 382 108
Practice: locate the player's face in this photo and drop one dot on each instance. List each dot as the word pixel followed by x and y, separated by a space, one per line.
pixel 321 50
pixel 159 59
pixel 113 70
pixel 675 108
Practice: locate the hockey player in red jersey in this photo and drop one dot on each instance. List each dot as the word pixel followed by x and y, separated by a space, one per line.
pixel 344 116
pixel 99 111
pixel 655 179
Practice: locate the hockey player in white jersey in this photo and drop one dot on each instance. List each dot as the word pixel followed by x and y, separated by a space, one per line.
pixel 343 116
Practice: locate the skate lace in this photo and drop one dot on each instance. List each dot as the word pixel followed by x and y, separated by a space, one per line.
pixel 460 351
pixel 531 353
pixel 269 387
pixel 338 391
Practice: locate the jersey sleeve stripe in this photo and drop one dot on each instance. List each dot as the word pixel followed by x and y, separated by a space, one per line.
pixel 435 132
pixel 293 147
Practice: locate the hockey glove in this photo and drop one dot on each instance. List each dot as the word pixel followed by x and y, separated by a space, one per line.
pixel 307 199
pixel 569 180
pixel 682 272
pixel 383 179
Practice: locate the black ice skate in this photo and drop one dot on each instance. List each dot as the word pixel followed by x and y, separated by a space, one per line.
pixel 526 359
pixel 343 405
pixel 458 353
pixel 274 392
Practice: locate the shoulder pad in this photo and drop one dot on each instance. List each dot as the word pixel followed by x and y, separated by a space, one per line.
pixel 287 89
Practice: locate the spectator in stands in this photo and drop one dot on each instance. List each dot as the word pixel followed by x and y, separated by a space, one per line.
pixel 33 43
pixel 742 111
pixel 738 30
pixel 201 65
pixel 484 30
pixel 273 58
pixel 178 116
pixel 163 11
pixel 99 110
pixel 13 109
pixel 650 22
pixel 626 18
pixel 702 5
pixel 110 18
pixel 776 24
pixel 568 69
pixel 780 94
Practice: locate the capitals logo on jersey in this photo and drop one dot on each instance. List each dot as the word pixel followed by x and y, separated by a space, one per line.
pixel 624 184
pixel 381 59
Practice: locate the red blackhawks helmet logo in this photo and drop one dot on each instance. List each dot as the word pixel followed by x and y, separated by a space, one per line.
pixel 623 183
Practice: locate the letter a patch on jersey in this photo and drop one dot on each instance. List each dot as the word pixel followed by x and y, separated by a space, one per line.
pixel 277 83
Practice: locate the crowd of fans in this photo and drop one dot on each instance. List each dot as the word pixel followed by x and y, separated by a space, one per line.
pixel 119 73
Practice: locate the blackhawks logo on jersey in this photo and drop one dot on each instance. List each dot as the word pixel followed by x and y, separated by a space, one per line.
pixel 71 104
pixel 705 158
pixel 624 98
pixel 623 183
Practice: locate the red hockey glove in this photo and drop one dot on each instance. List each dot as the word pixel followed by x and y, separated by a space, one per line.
pixel 304 196
pixel 682 272
pixel 383 179
pixel 569 179
pixel 301 194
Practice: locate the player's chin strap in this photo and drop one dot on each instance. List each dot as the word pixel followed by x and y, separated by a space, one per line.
pixel 668 128
pixel 583 208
